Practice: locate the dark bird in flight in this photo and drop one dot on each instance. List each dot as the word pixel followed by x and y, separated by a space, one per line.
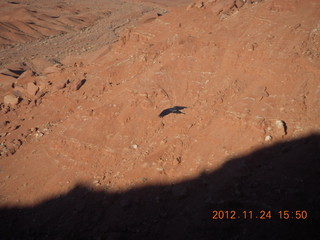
pixel 175 109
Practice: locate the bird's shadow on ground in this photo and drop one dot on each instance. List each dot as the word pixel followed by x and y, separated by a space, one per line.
pixel 282 177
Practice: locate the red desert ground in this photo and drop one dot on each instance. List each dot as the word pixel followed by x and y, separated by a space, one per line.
pixel 85 155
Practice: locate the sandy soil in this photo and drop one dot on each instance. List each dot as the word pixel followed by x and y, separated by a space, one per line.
pixel 84 154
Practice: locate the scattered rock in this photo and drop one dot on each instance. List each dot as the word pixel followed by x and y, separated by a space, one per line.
pixel 144 179
pixel 45 131
pixel 252 47
pixel 268 138
pixel 62 84
pixel 42 84
pixel 17 142
pixel 16 127
pixel 239 3
pixel 4 123
pixel 32 89
pixel 160 169
pixel 18 92
pixel 199 5
pixel 10 100
pixel 196 5
pixel 282 127
pixel 255 1
pixel 4 134
pixel 11 148
pixel 25 77
pixel 97 182
pixel 178 160
pixel 6 81
pixel 80 84
pixel 3 150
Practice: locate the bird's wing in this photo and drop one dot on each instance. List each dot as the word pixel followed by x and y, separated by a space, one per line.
pixel 179 107
pixel 165 112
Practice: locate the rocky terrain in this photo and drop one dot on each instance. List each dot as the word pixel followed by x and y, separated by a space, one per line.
pixel 84 154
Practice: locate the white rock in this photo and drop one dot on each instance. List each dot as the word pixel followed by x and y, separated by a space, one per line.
pixel 281 125
pixel 10 100
pixel 268 138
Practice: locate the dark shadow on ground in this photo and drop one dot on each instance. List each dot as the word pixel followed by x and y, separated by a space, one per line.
pixel 284 176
